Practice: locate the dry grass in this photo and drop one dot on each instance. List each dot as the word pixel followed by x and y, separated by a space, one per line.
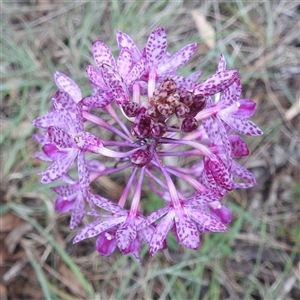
pixel 258 258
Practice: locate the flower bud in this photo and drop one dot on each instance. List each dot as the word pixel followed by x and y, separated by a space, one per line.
pixel 165 109
pixel 186 98
pixel 168 85
pixel 141 157
pixel 189 125
pixel 181 110
pixel 131 109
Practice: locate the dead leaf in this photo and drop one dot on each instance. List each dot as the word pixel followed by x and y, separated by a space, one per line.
pixel 205 29
pixel 9 221
pixel 293 111
pixel 71 280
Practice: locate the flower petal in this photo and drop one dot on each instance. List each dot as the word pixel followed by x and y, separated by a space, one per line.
pixel 136 72
pixel 186 232
pixel 102 55
pixel 124 63
pixel 125 41
pixel 83 175
pixel 59 167
pixel 50 119
pixel 60 137
pixel 95 77
pixel 66 84
pixel 243 173
pixel 88 142
pixel 221 64
pixel 116 85
pixel 62 205
pixel 246 108
pixel 106 243
pixel 216 83
pixel 97 227
pixel 78 212
pixel 107 204
pixel 178 59
pixel 207 222
pixel 156 47
pixel 126 234
pixel 238 146
pixel 161 232
pixel 98 101
pixel 242 126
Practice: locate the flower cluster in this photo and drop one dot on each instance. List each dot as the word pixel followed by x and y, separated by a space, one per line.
pixel 156 117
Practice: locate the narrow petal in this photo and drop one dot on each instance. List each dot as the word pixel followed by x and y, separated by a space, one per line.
pixel 183 83
pixel 98 101
pixel 83 175
pixel 126 234
pixel 66 84
pixel 238 146
pixel 65 100
pixel 66 190
pixel 207 222
pixel 186 232
pixel 220 172
pixel 243 173
pixel 65 115
pixel 195 76
pixel 50 119
pixel 88 142
pixel 216 83
pixel 161 232
pixel 231 94
pixel 102 55
pixel 124 63
pixel 156 46
pixel 96 228
pixel 107 204
pixel 178 59
pixel 156 215
pixel 136 72
pixel 221 64
pixel 41 138
pixel 242 126
pixel 125 41
pixel 115 82
pixel 60 137
pixel 78 212
pixel 95 77
pixel 59 167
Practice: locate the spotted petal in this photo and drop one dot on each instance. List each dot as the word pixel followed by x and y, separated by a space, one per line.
pixel 115 82
pixel 216 83
pixel 124 62
pixel 60 167
pixel 161 232
pixel 98 101
pixel 186 232
pixel 125 41
pixel 178 59
pixel 102 55
pixel 156 46
pixel 96 228
pixel 242 126
pixel 60 137
pixel 66 84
